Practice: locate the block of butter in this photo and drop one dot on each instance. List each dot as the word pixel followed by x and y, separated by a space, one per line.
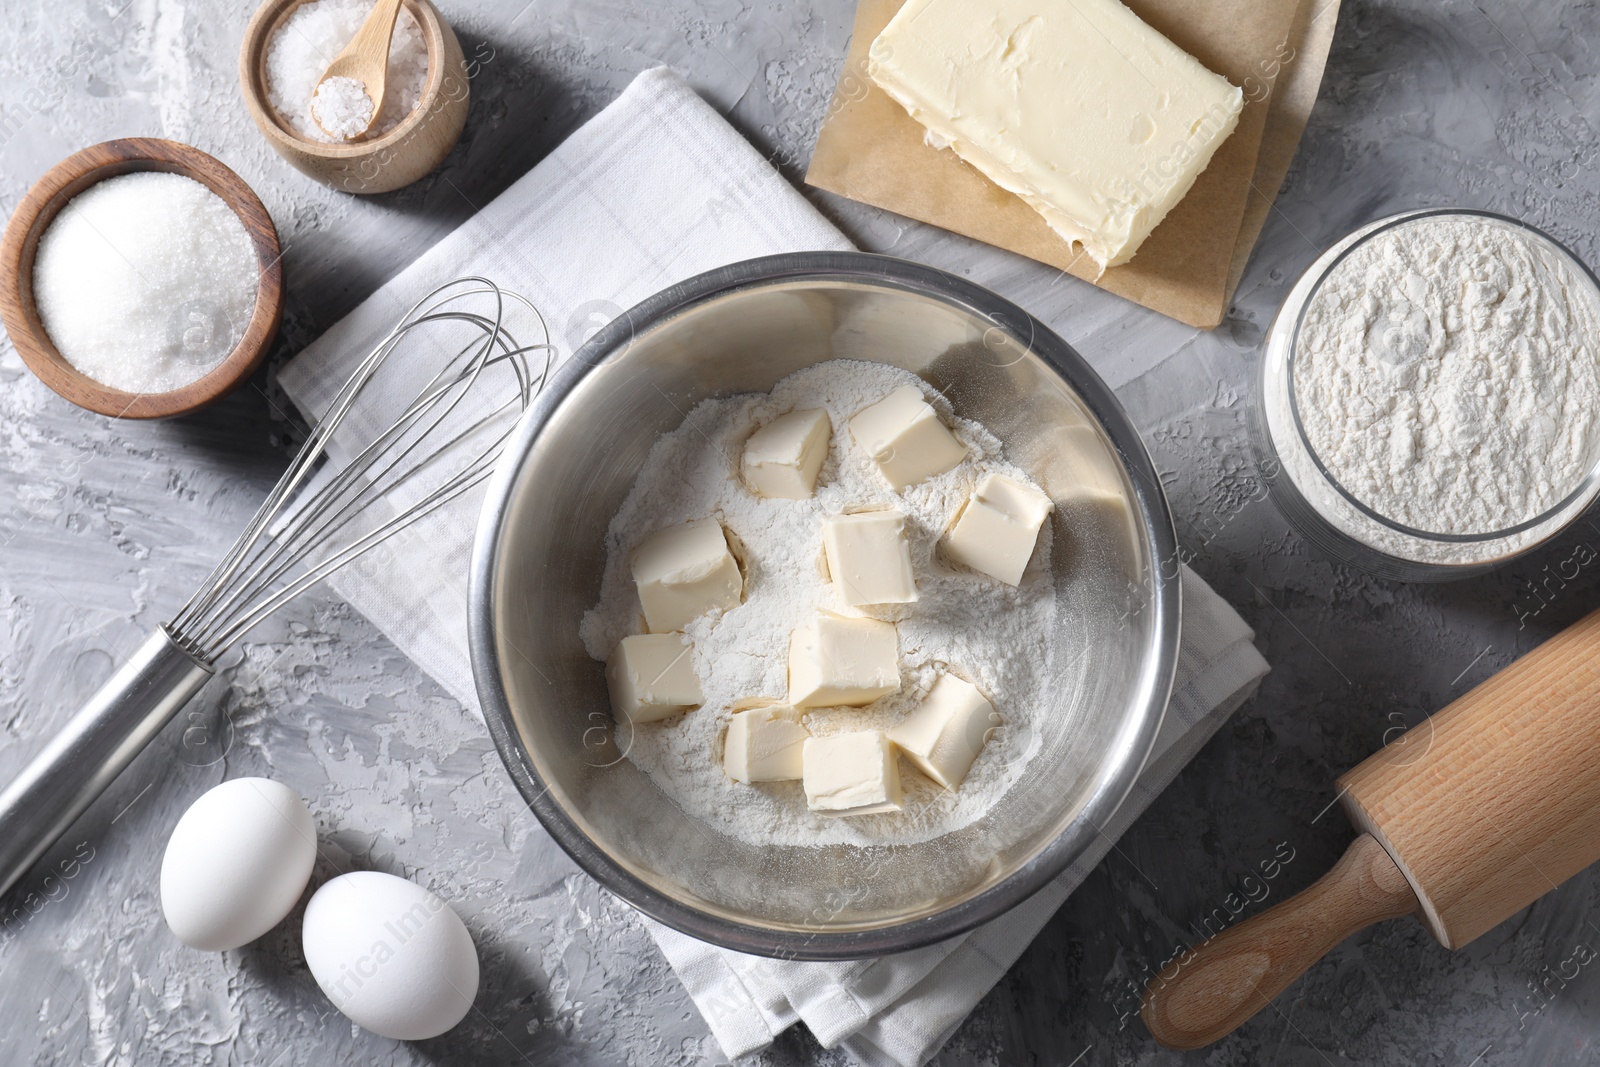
pixel 852 774
pixel 997 528
pixel 837 661
pixel 764 744
pixel 947 730
pixel 869 559
pixel 685 571
pixel 651 676
pixel 783 458
pixel 903 435
pixel 1095 120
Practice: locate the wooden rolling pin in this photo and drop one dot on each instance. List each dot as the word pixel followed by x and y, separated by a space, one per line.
pixel 1466 819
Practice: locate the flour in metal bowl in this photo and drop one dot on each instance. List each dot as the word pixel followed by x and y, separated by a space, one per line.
pixel 995 634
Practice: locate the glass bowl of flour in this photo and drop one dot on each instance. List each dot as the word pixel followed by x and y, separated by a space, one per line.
pixel 636 433
pixel 1431 395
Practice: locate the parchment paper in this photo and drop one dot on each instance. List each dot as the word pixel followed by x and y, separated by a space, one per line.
pixel 1293 97
pixel 872 151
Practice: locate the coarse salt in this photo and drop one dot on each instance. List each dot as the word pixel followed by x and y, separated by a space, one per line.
pixel 145 282
pixel 342 107
pixel 313 36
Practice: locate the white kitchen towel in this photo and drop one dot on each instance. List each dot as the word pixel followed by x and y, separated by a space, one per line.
pixel 655 189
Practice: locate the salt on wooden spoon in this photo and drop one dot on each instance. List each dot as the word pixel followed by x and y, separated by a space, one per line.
pixel 349 94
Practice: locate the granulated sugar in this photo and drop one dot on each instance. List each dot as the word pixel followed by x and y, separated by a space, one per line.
pixel 993 634
pixel 313 36
pixel 145 282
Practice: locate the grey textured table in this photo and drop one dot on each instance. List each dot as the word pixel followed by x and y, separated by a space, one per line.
pixel 105 529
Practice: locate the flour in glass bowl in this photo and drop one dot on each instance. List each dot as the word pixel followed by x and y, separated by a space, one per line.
pixel 996 636
pixel 1447 375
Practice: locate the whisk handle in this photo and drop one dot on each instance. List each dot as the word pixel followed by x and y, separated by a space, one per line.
pixel 92 749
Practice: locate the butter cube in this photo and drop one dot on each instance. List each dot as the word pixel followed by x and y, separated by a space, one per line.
pixel 852 774
pixel 651 676
pixel 947 730
pixel 685 571
pixel 1091 117
pixel 764 745
pixel 869 558
pixel 998 527
pixel 903 435
pixel 837 661
pixel 783 457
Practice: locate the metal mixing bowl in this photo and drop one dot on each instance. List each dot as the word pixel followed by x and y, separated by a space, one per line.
pixel 541 549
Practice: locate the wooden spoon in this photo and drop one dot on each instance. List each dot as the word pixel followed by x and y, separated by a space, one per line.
pixel 366 59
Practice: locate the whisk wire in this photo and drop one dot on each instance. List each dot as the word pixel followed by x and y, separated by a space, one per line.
pixel 471 475
pixel 429 448
pixel 325 513
pixel 331 510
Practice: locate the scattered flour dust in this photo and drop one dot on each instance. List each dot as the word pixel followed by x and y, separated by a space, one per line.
pixel 994 635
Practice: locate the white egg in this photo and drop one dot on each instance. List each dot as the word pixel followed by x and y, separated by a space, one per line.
pixel 390 955
pixel 236 863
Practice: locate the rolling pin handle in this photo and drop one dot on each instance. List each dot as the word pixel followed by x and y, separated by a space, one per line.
pixel 1211 991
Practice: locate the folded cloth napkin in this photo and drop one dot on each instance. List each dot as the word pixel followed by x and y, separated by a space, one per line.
pixel 655 189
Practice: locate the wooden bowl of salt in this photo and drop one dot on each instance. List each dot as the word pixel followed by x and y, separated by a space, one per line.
pixel 402 146
pixel 215 369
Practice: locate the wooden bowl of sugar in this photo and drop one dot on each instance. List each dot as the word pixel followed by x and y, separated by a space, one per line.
pixel 287 46
pixel 154 296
